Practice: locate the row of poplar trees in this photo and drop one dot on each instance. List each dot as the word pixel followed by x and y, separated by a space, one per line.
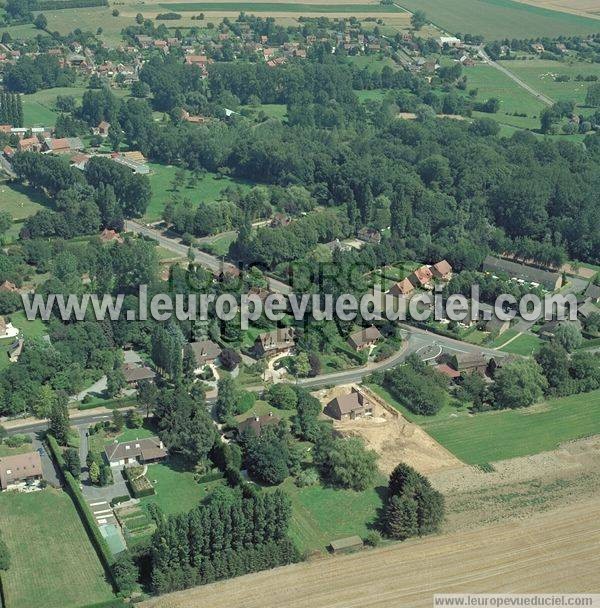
pixel 229 536
pixel 11 109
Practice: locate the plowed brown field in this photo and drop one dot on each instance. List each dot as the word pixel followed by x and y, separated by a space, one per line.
pixel 557 551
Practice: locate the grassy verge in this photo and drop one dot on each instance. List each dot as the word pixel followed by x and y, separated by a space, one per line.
pixel 320 515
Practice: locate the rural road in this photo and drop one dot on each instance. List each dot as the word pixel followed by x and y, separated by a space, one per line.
pixel 486 59
pixel 551 552
pixel 414 341
pixel 211 262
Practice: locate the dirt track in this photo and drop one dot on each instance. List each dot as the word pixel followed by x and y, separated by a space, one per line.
pixel 558 551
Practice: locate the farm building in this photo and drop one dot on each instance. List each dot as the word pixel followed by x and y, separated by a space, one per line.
pixel 346 544
pixel 144 451
pixel 521 272
pixel 364 338
pixel 349 407
pixel 20 469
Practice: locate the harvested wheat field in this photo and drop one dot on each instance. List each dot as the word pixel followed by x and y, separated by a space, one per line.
pixel 556 551
pixel 585 8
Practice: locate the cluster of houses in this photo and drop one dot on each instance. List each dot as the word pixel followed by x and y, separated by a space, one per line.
pixel 423 277
pixel 40 139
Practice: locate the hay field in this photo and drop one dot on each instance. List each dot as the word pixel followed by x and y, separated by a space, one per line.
pixel 585 8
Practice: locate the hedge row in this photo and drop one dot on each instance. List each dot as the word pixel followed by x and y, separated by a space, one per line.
pixel 56 5
pixel 86 515
pixel 117 500
pixel 211 477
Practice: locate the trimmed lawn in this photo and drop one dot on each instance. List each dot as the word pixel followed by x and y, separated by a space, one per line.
pixel 21 201
pixel 503 338
pixel 372 62
pixel 39 109
pixel 7 451
pixel 491 436
pixel 30 329
pixel 53 563
pixel 525 345
pixel 176 489
pixel 320 515
pixel 208 188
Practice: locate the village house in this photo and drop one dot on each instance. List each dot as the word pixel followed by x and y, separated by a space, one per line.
pixel 444 368
pixel 523 273
pixel 20 470
pixel 256 424
pixel 280 219
pixel 587 309
pixel 548 330
pixel 101 129
pixel 200 61
pixel 338 245
pixel 592 293
pixel 15 350
pixel 364 338
pixel 142 451
pixel 109 236
pixel 403 288
pixel 29 144
pixel 274 342
pixel 8 286
pixel 369 235
pixel 134 374
pixel 352 406
pixel 451 41
pixel 421 277
pixel 442 271
pixel 538 47
pixel 205 351
pixel 63 145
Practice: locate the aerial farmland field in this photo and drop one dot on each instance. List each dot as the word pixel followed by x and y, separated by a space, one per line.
pixel 53 562
pixel 541 75
pixel 491 82
pixel 497 19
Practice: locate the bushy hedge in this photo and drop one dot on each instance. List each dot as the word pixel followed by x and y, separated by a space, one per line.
pixel 210 477
pixel 117 500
